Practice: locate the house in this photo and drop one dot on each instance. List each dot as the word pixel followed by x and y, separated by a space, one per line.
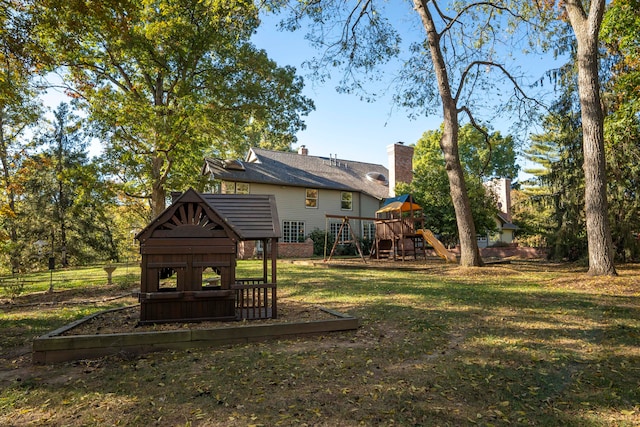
pixel 501 188
pixel 307 188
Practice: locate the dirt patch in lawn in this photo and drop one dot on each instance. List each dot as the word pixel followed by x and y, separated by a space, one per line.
pixel 126 320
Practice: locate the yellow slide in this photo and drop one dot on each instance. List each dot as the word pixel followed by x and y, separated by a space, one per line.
pixel 428 236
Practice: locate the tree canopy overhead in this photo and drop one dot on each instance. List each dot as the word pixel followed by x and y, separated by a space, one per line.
pixel 458 60
pixel 168 81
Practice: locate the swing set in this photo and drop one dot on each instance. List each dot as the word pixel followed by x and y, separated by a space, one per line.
pixel 399 232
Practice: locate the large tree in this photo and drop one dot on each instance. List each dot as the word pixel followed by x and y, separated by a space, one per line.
pixel 19 110
pixel 585 18
pixel 457 63
pixel 169 81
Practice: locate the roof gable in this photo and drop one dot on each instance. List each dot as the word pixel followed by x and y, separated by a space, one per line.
pixel 189 216
pixel 195 215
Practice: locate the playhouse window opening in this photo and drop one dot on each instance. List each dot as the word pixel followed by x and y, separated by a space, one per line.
pixel 167 279
pixel 211 278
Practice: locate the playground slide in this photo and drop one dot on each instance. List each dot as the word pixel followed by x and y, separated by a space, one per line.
pixel 428 236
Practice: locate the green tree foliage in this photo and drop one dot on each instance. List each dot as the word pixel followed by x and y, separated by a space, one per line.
pixel 168 82
pixel 558 187
pixel 19 110
pixel 65 202
pixel 621 35
pixel 480 159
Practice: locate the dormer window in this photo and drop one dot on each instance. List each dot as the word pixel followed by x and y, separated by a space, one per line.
pixel 231 187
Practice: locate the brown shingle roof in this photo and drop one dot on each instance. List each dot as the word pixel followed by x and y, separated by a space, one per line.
pixel 250 217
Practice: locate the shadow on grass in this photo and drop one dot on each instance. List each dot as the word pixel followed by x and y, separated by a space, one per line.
pixel 434 348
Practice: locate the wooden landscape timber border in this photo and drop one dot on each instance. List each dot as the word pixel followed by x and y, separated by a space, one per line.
pixel 55 347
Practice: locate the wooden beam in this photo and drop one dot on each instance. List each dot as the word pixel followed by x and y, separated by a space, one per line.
pixel 363 218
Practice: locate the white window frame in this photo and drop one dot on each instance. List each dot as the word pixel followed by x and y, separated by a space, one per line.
pixel 243 190
pixel 368 230
pixel 311 202
pixel 342 200
pixel 231 187
pixel 293 231
pixel 334 228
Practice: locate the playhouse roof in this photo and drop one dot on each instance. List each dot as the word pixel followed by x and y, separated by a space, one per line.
pixel 404 203
pixel 249 217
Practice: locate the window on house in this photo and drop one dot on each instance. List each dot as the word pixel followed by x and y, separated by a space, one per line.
pixel 231 187
pixel 242 188
pixel 368 230
pixel 214 187
pixel 311 200
pixel 293 231
pixel 346 201
pixel 334 229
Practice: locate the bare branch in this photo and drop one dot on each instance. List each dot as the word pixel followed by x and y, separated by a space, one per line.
pixel 504 71
pixel 470 6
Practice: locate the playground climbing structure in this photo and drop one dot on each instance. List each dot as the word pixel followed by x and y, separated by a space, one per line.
pixel 400 232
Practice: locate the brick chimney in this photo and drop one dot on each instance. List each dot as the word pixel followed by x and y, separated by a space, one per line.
pixel 501 187
pixel 400 165
pixel 303 151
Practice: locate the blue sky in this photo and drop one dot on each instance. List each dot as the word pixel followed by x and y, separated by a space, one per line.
pixel 341 124
pixel 352 129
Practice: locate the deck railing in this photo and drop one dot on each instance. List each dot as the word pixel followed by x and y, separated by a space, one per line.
pixel 255 299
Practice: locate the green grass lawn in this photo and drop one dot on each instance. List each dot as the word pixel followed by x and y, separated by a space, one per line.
pixel 515 344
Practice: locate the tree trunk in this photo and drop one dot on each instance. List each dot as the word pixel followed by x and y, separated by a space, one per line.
pixel 62 200
pixel 469 252
pixel 586 29
pixel 158 192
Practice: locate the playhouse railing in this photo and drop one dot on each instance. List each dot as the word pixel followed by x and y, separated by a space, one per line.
pixel 255 299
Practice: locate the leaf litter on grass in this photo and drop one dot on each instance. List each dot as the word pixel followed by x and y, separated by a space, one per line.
pixel 512 347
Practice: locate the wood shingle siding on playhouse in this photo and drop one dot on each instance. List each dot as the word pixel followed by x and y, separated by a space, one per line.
pixel 199 232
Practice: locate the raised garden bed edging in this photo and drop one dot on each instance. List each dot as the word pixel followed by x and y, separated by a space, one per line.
pixel 54 347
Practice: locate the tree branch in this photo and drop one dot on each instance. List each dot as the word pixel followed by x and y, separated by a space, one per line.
pixel 501 67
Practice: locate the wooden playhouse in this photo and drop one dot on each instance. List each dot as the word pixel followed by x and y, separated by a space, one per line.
pixel 196 240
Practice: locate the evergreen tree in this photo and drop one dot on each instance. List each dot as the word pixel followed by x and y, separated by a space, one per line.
pixel 66 192
pixel 559 185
